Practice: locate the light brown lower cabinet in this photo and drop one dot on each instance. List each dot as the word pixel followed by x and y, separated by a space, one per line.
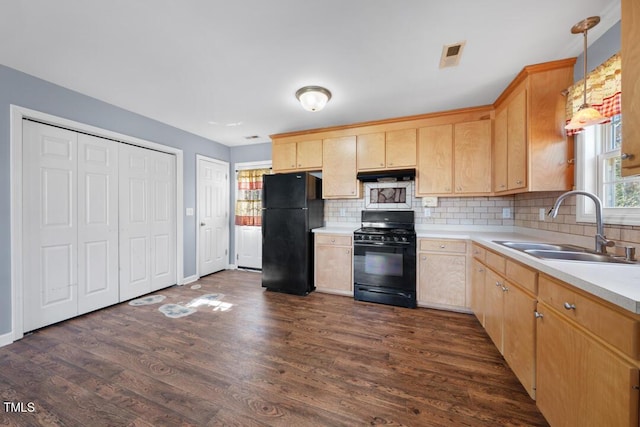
pixel 582 379
pixel 504 298
pixel 576 354
pixel 333 269
pixel 478 271
pixel 442 274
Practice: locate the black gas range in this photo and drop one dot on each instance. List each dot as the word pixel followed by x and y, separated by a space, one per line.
pixel 385 258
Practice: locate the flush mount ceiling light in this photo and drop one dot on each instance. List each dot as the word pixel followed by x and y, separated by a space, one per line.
pixel 313 98
pixel 586 115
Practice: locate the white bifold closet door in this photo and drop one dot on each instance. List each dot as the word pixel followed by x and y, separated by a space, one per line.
pixel 147 221
pixel 70 219
pixel 99 223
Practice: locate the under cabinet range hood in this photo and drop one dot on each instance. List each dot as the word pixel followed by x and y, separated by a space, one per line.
pixel 397 175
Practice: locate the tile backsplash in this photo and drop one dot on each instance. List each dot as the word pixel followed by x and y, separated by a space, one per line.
pixel 450 210
pixel 525 211
pixel 527 207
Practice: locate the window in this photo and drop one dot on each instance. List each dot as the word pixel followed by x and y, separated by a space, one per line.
pixel 599 171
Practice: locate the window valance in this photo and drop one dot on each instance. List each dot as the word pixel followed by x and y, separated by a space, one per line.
pixel 604 90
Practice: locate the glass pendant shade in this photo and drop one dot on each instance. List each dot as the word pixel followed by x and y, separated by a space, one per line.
pixel 313 98
pixel 585 116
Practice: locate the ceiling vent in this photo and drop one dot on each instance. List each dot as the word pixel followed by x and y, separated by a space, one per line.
pixel 451 54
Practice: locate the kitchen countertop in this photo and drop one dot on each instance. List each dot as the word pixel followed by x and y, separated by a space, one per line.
pixel 616 283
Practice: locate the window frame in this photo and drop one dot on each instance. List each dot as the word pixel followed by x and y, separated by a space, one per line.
pixel 590 176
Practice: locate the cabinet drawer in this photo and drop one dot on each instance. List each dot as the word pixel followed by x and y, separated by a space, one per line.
pixel 495 261
pixel 523 276
pixel 456 246
pixel 619 329
pixel 478 252
pixel 333 239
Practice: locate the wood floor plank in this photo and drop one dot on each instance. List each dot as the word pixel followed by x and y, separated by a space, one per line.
pixel 267 359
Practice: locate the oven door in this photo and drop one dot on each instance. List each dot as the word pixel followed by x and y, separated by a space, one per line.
pixel 389 265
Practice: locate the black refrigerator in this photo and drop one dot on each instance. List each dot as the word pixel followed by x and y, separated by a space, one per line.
pixel 292 206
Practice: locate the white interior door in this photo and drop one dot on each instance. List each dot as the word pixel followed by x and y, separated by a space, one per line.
pixel 249 241
pixel 50 225
pixel 213 216
pixel 147 221
pixel 97 223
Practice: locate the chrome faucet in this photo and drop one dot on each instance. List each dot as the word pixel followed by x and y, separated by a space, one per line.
pixel 601 241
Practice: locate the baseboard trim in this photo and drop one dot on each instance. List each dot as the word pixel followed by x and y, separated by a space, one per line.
pixel 6 339
pixel 190 279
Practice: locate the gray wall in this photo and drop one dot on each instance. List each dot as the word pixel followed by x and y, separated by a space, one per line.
pixel 27 91
pixel 600 50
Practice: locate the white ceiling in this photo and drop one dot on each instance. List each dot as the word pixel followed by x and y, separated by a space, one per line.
pixel 226 70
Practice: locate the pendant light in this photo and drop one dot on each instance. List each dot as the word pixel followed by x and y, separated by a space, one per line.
pixel 313 98
pixel 586 114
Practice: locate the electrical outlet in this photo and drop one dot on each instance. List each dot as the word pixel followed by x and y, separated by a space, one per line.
pixel 343 212
pixel 427 212
pixel 506 213
pixel 542 214
pixel 189 212
pixel 429 202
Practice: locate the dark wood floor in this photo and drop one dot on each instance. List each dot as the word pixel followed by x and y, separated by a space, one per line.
pixel 270 359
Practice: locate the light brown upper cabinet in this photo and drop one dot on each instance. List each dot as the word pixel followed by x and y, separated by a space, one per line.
pixel 472 157
pixel 394 149
pixel 339 169
pixel 435 160
pixel 455 159
pixel 297 155
pixel 531 149
pixel 510 143
pixel 631 84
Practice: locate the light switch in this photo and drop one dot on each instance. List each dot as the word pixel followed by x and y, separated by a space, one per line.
pixel 189 211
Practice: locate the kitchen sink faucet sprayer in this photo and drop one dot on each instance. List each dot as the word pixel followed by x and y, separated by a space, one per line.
pixel 601 241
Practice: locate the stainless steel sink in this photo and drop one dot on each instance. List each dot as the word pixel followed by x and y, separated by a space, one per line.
pixel 565 252
pixel 523 246
pixel 576 256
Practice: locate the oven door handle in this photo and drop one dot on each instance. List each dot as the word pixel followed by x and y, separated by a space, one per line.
pixel 398 244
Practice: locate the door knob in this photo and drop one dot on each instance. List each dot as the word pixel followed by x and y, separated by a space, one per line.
pixel 202 224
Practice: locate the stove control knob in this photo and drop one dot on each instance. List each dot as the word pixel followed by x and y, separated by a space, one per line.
pixel 404 239
pixel 396 238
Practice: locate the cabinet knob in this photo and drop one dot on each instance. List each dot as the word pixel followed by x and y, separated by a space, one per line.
pixel 459 188
pixel 299 165
pixel 348 251
pixel 626 156
pixel 447 189
pixel 333 240
pixel 519 182
pixel 498 284
pixel 423 258
pixel 568 306
pixel 538 315
pixel 481 270
pixel 293 165
pixel 505 289
pixel 442 246
pixel 502 186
